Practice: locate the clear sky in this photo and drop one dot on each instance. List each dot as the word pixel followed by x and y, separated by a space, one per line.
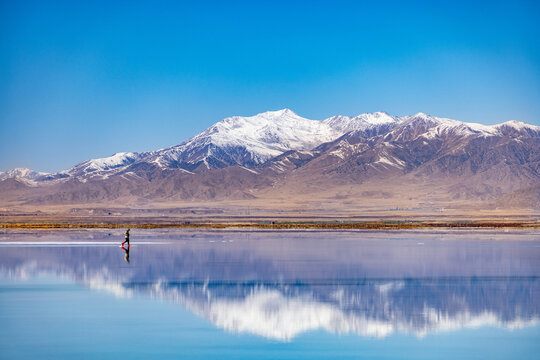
pixel 81 80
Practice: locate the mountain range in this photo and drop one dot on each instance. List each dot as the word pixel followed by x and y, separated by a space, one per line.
pixel 370 161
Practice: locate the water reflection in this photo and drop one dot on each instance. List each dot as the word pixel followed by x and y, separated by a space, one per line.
pixel 277 287
pixel 370 308
pixel 126 247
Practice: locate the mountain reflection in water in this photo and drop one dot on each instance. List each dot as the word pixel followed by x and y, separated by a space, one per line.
pixel 279 285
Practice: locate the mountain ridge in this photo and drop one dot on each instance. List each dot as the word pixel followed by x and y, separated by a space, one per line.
pixel 339 125
pixel 278 152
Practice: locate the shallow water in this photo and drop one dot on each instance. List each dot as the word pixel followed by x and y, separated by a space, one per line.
pixel 270 295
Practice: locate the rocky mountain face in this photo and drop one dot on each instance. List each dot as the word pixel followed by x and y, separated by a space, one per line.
pixel 279 152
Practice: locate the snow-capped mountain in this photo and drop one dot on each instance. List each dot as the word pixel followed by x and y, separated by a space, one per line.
pixel 253 140
pixel 95 168
pixel 104 166
pixel 240 156
pixel 108 163
pixel 22 173
pixel 369 123
pixel 248 141
pixel 466 160
pixel 517 128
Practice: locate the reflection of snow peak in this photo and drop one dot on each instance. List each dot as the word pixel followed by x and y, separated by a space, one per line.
pixel 116 289
pixel 283 313
pixel 268 313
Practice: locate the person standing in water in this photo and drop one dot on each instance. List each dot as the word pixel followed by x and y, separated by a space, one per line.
pixel 125 245
pixel 127 238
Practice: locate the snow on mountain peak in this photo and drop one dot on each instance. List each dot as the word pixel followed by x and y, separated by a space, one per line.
pixel 263 136
pixel 517 125
pixel 514 127
pixel 436 126
pixel 470 128
pixel 422 115
pixel 379 117
pixel 21 173
pixel 345 124
pixel 278 113
pixel 106 163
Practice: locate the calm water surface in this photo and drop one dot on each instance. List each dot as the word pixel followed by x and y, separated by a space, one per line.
pixel 270 295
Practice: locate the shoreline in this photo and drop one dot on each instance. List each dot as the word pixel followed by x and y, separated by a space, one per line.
pixel 269 225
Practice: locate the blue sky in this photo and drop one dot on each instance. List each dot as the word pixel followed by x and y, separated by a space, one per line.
pixel 82 80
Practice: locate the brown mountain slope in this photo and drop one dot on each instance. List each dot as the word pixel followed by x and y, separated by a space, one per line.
pixel 421 163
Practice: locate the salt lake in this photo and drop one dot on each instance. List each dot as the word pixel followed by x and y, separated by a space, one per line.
pixel 232 294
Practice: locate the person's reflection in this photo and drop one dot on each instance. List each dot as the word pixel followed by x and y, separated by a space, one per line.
pixel 126 246
pixel 126 256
